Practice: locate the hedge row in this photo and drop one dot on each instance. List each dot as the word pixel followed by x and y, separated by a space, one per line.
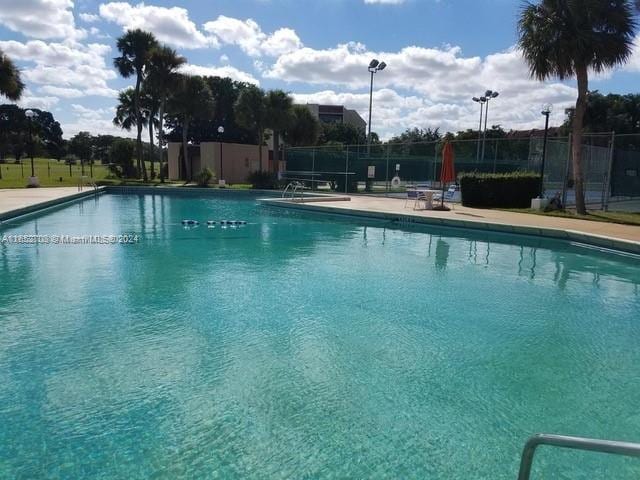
pixel 503 190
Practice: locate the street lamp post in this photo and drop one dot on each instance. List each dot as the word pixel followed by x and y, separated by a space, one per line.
pixel 220 132
pixel 374 67
pixel 489 94
pixel 546 111
pixel 481 101
pixel 33 180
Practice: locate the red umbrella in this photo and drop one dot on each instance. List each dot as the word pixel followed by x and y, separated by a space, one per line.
pixel 448 173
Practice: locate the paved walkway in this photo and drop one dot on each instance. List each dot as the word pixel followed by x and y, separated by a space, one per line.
pixel 18 198
pixel 487 218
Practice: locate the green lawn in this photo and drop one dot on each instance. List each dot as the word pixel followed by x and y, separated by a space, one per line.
pixel 626 218
pixel 52 173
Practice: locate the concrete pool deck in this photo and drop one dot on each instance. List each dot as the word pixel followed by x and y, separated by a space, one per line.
pixel 14 202
pixel 607 235
pixel 18 201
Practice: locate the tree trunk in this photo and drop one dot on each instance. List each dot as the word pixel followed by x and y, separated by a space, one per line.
pixel 136 100
pixel 161 138
pixel 578 119
pixel 260 142
pixel 152 152
pixel 185 150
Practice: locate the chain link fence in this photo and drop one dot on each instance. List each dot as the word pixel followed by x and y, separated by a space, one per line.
pixel 611 165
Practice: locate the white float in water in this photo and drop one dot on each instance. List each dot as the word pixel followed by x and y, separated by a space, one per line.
pixel 190 222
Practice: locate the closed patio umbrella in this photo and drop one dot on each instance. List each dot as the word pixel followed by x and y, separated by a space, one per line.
pixel 448 173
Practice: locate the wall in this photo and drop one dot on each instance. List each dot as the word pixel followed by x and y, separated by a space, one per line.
pixel 238 160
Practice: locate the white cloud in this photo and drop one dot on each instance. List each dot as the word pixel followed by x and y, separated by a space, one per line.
pixel 94 120
pixel 223 71
pixel 425 87
pixel 251 39
pixel 169 25
pixel 40 18
pixel 64 65
pixel 89 17
pixel 29 100
pixel 61 91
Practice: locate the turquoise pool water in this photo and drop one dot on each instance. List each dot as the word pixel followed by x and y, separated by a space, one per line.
pixel 307 347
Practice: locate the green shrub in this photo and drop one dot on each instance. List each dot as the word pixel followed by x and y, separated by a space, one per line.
pixel 263 180
pixel 501 190
pixel 204 177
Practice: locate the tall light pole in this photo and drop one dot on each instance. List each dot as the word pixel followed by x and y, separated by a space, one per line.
pixel 546 111
pixel 481 101
pixel 33 181
pixel 220 132
pixel 489 94
pixel 374 67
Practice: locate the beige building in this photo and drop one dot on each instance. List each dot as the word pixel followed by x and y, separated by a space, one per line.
pixel 238 161
pixel 337 114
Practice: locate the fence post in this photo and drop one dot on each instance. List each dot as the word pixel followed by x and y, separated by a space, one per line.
pixel 21 168
pixel 495 154
pixel 565 180
pixel 346 172
pixel 386 174
pixel 313 169
pixel 606 188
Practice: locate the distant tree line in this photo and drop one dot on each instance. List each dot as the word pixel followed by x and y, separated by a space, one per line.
pixel 15 141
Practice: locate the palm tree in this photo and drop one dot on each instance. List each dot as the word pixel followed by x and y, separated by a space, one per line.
pixel 251 110
pixel 163 65
pixel 304 129
pixel 135 47
pixel 126 116
pixel 11 85
pixel 191 99
pixel 150 105
pixel 567 38
pixel 279 117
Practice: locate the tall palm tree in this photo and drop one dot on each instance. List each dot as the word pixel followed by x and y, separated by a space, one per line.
pixel 11 85
pixel 567 38
pixel 126 116
pixel 135 47
pixel 163 65
pixel 191 99
pixel 279 117
pixel 305 128
pixel 251 113
pixel 150 105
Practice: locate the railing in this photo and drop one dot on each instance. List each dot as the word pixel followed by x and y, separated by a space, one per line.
pixel 577 443
pixel 86 181
pixel 295 187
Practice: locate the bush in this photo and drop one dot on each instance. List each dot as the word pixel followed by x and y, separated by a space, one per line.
pixel 263 180
pixel 121 158
pixel 204 177
pixel 502 190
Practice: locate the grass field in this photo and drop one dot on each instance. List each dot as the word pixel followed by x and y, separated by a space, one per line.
pixel 625 218
pixel 52 173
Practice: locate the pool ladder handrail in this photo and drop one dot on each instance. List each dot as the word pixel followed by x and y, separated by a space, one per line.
pixel 296 185
pixel 577 443
pixel 86 181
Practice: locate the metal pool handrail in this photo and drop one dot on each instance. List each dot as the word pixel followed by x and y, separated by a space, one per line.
pixel 577 443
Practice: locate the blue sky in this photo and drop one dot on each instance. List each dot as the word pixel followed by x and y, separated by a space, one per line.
pixel 439 54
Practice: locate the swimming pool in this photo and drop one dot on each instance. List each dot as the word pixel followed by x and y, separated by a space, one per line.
pixel 303 346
